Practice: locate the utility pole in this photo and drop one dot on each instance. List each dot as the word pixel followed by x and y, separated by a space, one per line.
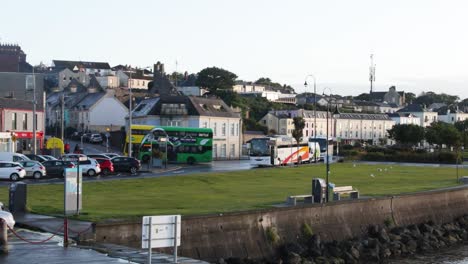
pixel 130 117
pixel 63 116
pixel 34 113
pixel 371 72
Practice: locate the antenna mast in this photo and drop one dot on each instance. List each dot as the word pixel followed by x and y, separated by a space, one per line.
pixel 371 72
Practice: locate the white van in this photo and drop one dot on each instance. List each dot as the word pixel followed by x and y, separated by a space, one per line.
pixel 15 157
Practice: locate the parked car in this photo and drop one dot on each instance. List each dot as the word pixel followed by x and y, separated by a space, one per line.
pixel 7 216
pixel 111 155
pixel 34 169
pixel 11 156
pixel 11 170
pixel 86 137
pixel 57 167
pixel 107 167
pixel 95 156
pixel 95 138
pixel 126 164
pixel 73 157
pixel 48 157
pixel 35 157
pixel 90 167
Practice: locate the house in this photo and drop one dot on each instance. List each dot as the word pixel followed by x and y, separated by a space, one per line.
pixel 270 93
pixel 391 97
pixel 94 68
pixel 191 111
pixel 349 127
pixel 448 116
pixel 248 87
pixel 357 127
pixel 98 111
pixel 19 85
pixel 13 59
pixel 404 119
pixel 280 122
pixel 374 107
pixel 136 78
pixel 304 98
pixel 426 116
pixel 17 119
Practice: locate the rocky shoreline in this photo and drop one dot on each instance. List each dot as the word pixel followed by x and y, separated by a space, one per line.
pixel 378 245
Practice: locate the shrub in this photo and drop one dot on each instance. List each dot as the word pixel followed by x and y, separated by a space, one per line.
pixel 347 147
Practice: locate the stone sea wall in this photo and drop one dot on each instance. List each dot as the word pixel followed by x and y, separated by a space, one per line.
pixel 258 234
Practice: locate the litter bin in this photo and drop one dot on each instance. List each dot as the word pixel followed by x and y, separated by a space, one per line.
pixel 18 197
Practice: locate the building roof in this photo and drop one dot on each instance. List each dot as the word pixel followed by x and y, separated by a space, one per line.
pixel 88 100
pixel 362 116
pixel 415 108
pixel 400 115
pixel 62 64
pixel 194 106
pixel 18 104
pixel 145 106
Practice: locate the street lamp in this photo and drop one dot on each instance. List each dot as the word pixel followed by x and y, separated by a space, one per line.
pixel 327 154
pixel 315 107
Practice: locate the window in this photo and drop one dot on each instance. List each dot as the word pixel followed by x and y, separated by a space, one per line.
pixel 223 150
pixel 232 129
pixel 215 130
pixel 13 121
pixel 25 121
pixel 223 129
pixel 237 129
pixel 215 150
pixel 205 124
pixel 232 152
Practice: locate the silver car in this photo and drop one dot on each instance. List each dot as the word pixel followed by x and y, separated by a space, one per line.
pixel 34 169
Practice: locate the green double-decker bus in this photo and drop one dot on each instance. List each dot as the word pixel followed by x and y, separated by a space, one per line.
pixel 185 145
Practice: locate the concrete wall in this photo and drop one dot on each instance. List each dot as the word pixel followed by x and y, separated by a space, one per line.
pixel 244 234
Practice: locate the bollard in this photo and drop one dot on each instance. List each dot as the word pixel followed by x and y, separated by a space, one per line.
pixel 3 237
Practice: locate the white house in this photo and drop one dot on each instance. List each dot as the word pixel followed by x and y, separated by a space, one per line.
pixel 405 118
pixel 453 116
pixel 97 112
pixel 426 116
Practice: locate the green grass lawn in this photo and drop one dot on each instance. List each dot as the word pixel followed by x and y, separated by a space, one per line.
pixel 230 191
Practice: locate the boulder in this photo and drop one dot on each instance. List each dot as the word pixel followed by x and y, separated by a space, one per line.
pixel 383 236
pixel 293 258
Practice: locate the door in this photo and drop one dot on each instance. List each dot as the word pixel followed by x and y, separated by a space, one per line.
pixel 4 171
pixel 117 164
pixel 28 166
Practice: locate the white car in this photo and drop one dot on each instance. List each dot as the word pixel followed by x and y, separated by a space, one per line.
pixel 34 169
pixel 11 170
pixel 7 216
pixel 90 167
pixel 95 138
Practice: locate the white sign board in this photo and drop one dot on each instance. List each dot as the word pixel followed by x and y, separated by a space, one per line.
pixel 73 191
pixel 163 229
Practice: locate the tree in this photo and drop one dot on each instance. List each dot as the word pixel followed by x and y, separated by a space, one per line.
pixel 462 126
pixel 440 133
pixel 410 97
pixel 363 97
pixel 214 79
pixel 299 125
pixel 407 134
pixel 431 97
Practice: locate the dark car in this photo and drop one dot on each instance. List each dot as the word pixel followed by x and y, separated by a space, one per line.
pixel 35 157
pixel 57 167
pixel 126 164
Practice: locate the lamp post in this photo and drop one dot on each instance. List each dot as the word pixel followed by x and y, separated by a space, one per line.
pixel 315 108
pixel 130 117
pixel 327 154
pixel 34 113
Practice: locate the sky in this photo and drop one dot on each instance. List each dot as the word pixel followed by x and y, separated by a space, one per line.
pixel 418 45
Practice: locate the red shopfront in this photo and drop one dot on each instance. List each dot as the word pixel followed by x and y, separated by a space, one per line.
pixel 24 141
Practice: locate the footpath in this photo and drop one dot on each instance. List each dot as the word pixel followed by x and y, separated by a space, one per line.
pixel 45 245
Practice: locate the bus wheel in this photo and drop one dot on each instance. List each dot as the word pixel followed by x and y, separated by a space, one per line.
pixel 191 161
